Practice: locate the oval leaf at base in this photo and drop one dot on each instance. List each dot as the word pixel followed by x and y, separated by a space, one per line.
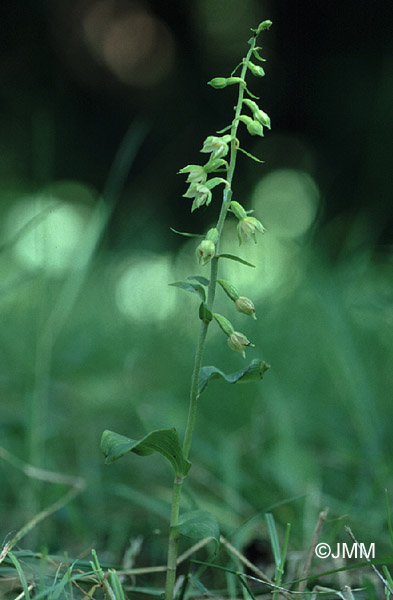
pixel 199 525
pixel 163 441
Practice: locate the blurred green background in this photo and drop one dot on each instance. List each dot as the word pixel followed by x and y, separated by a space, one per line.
pixel 102 102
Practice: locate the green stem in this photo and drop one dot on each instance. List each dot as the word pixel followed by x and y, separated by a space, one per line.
pixel 194 393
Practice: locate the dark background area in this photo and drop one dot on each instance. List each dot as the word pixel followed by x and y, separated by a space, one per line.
pixel 66 105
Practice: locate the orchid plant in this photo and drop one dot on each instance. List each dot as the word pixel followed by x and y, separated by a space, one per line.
pixel 222 150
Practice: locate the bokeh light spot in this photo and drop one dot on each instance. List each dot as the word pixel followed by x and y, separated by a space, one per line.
pixel 46 229
pixel 286 201
pixel 142 291
pixel 134 44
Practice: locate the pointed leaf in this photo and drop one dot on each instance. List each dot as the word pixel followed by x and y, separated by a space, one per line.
pixel 199 235
pixel 163 441
pixel 257 55
pixel 194 288
pixel 251 155
pixel 200 279
pixel 236 258
pixel 227 128
pixel 251 95
pixel 199 524
pixel 253 372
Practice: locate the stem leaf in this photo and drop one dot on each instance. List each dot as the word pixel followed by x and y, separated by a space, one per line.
pixel 198 235
pixel 253 372
pixel 194 288
pixel 251 155
pixel 236 258
pixel 199 524
pixel 163 441
pixel 200 279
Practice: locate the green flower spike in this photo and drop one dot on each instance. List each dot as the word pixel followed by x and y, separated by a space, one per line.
pixel 247 228
pixel 238 342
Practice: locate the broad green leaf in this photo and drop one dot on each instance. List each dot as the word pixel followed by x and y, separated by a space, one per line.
pixel 194 288
pixel 199 524
pixel 163 441
pixel 253 372
pixel 198 235
pixel 200 279
pixel 236 258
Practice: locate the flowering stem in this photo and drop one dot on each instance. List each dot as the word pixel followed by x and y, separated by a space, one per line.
pixel 194 393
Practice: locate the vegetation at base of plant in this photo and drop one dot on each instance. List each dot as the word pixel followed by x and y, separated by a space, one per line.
pixel 222 153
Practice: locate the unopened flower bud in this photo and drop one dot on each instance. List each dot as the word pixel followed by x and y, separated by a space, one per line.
pixel 212 235
pixel 253 127
pixel 205 252
pixel 264 25
pixel 222 82
pixel 256 69
pixel 247 228
pixel 237 341
pixel 245 306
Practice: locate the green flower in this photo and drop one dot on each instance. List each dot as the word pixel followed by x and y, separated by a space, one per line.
pixel 196 173
pixel 245 306
pixel 237 341
pixel 201 194
pixel 247 227
pixel 205 252
pixel 218 146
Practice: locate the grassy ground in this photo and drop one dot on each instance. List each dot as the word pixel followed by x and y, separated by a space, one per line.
pixel 106 343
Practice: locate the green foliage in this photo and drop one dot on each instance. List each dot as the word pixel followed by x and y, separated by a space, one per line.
pixel 253 372
pixel 199 525
pixel 164 441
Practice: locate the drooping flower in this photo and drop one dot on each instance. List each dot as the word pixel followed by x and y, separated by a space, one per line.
pixel 245 306
pixel 205 252
pixel 201 194
pixel 218 146
pixel 196 173
pixel 247 227
pixel 238 342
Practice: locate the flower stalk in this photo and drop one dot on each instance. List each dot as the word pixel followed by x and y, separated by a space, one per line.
pixel 208 252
